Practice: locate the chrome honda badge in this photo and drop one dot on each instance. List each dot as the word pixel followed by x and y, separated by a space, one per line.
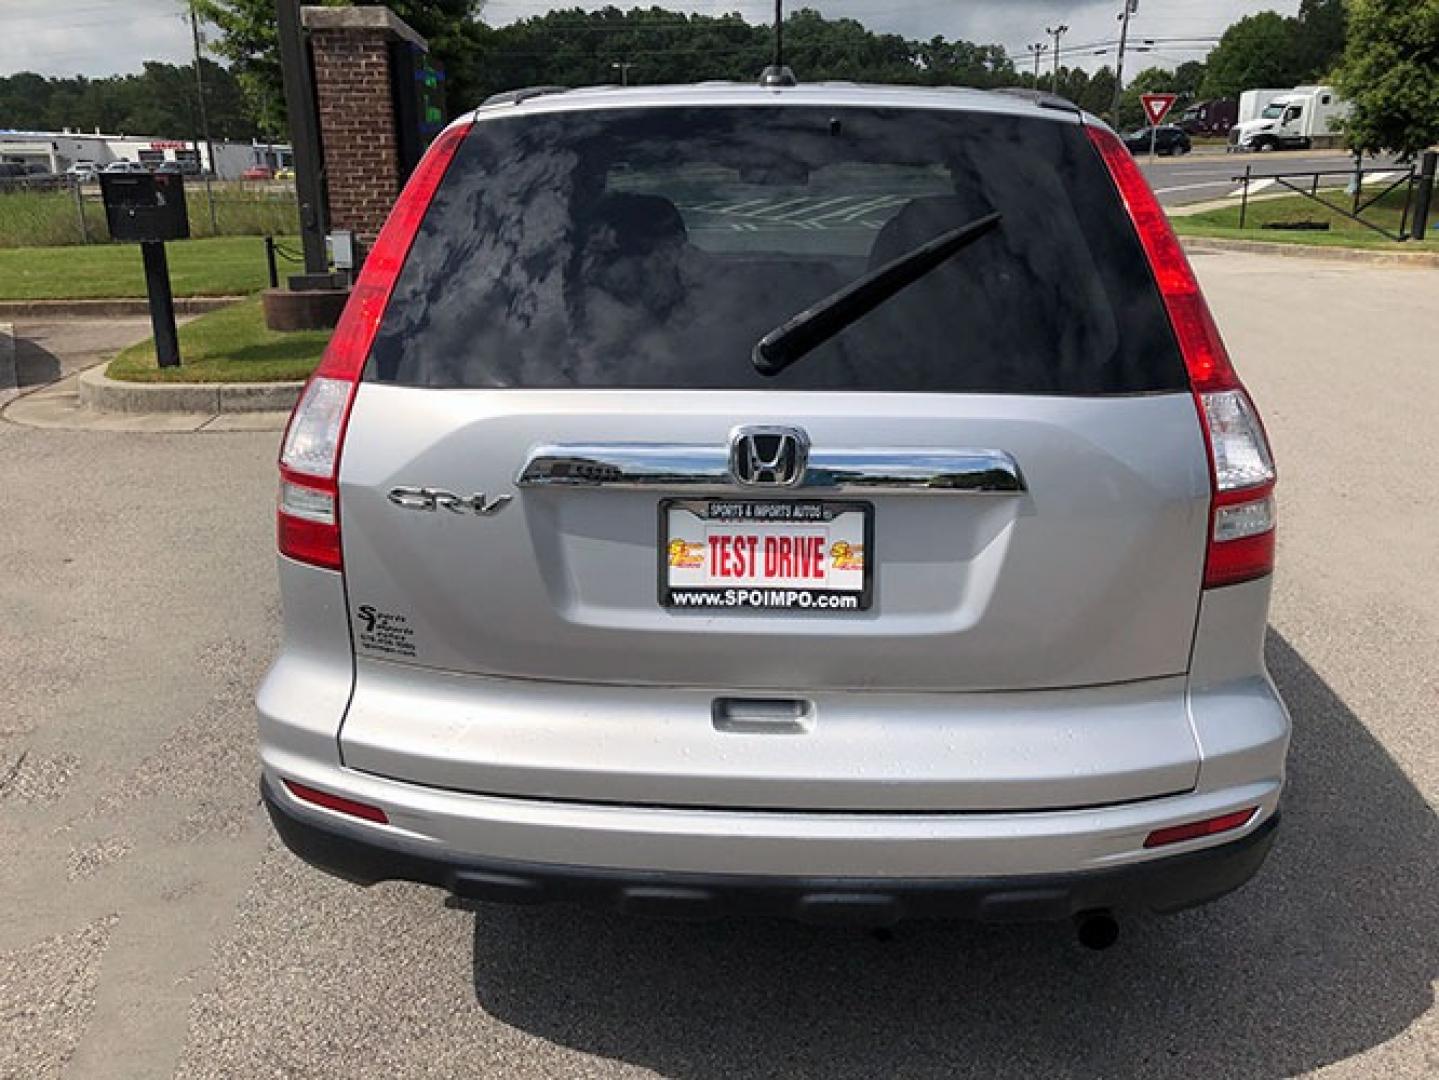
pixel 768 456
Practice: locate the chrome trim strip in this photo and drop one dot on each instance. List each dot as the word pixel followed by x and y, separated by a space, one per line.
pixel 899 471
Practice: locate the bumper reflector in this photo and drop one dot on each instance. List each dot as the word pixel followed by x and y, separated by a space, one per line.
pixel 1174 834
pixel 337 803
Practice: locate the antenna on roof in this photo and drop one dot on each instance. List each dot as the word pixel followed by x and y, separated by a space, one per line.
pixel 777 74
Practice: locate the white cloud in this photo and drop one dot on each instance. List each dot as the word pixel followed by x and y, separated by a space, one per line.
pixel 91 37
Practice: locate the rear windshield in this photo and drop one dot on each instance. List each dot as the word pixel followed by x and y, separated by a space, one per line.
pixel 652 248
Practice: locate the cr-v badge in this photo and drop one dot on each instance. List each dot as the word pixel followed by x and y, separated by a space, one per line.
pixel 432 499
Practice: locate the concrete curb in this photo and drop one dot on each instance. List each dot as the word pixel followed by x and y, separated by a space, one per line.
pixel 114 307
pixel 9 376
pixel 1219 245
pixel 104 394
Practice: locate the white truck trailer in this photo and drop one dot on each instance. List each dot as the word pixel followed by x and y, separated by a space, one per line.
pixel 1298 119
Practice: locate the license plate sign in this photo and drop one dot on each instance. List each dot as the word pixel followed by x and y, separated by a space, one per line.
pixel 726 555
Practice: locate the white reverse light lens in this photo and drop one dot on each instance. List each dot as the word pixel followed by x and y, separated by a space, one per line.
pixel 1241 456
pixel 1245 519
pixel 303 502
pixel 314 435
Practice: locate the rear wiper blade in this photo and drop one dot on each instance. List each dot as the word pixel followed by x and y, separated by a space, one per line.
pixel 821 321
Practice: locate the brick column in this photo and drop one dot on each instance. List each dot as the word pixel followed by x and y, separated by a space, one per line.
pixel 350 49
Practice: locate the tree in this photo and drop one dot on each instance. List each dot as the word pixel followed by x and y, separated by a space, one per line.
pixel 249 39
pixel 1319 38
pixel 1099 94
pixel 1187 77
pixel 1258 50
pixel 1390 73
pixel 158 101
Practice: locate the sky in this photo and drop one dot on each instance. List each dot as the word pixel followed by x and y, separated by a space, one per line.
pixel 104 37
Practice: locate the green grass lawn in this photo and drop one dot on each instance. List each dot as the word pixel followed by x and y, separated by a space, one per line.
pixel 230 345
pixel 1342 231
pixel 223 266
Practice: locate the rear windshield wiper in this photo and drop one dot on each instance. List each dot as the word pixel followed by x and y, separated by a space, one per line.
pixel 821 321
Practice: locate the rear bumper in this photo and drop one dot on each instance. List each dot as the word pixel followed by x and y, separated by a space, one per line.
pixel 1161 884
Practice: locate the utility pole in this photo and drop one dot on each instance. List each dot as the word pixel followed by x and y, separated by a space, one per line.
pixel 1130 7
pixel 624 70
pixel 1037 49
pixel 208 165
pixel 1055 32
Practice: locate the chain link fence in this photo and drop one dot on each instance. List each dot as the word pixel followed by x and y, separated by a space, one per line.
pixel 53 212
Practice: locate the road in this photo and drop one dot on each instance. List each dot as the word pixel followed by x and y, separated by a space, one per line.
pixel 150 926
pixel 1205 175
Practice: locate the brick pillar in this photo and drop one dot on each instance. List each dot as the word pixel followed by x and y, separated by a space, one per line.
pixel 350 47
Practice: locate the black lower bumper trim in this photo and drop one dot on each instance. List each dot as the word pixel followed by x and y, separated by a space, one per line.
pixel 1166 884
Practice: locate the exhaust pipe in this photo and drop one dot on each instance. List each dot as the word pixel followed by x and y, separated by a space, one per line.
pixel 1097 929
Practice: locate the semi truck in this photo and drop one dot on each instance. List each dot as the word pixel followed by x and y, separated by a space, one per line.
pixel 1214 117
pixel 1298 119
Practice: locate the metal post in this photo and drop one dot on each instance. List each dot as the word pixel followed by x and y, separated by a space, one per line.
pixel 80 210
pixel 1119 65
pixel 1153 140
pixel 1038 49
pixel 270 262
pixel 1425 193
pixel 1244 199
pixel 162 304
pixel 209 164
pixel 304 135
pixel 1056 32
pixel 1358 180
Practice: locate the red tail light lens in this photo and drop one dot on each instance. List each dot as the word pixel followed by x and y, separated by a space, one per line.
pixel 309 508
pixel 1241 468
pixel 1193 830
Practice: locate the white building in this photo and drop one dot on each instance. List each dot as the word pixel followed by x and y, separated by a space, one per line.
pixel 58 150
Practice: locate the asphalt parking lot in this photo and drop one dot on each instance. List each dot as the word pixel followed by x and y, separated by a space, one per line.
pixel 149 924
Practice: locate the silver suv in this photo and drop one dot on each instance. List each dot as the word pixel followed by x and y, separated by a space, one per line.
pixel 825 501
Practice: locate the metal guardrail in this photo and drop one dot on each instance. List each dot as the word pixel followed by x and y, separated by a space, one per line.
pixel 1410 178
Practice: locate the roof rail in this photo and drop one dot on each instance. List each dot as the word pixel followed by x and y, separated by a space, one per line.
pixel 524 93
pixel 1043 98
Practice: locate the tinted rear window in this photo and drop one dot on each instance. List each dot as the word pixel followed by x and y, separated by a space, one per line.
pixel 651 248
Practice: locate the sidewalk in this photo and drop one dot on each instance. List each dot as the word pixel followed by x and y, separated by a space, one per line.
pixel 49 357
pixel 59 405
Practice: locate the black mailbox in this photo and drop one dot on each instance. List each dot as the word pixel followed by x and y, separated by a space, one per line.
pixel 145 206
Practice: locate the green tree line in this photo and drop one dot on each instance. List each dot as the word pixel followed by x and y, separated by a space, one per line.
pixel 160 100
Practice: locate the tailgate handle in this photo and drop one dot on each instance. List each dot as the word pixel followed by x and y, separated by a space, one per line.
pixel 896 471
pixel 775 716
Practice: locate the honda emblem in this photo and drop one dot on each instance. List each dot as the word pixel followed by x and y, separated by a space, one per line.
pixel 768 456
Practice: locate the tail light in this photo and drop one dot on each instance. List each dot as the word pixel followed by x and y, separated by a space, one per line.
pixel 1241 469
pixel 308 521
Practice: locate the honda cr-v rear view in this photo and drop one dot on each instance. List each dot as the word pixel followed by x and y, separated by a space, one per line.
pixel 826 501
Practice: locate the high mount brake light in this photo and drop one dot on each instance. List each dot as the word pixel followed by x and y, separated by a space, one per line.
pixel 1241 469
pixel 308 519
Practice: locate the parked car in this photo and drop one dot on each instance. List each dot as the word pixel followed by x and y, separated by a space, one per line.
pixel 1168 139
pixel 81 171
pixel 125 167
pixel 285 173
pixel 258 172
pixel 173 168
pixel 772 499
